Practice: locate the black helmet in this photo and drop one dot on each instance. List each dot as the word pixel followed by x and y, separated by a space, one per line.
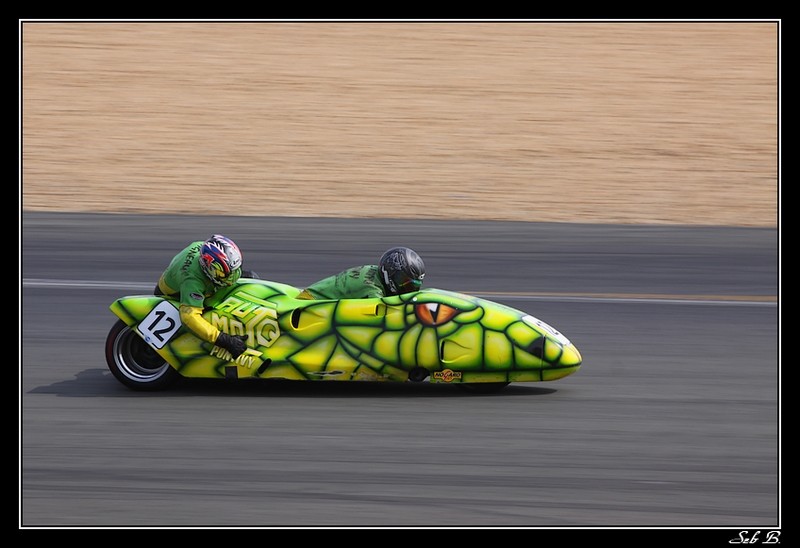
pixel 402 270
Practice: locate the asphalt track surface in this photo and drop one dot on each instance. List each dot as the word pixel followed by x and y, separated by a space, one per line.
pixel 672 422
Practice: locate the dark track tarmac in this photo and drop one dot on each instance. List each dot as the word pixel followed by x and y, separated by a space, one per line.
pixel 671 422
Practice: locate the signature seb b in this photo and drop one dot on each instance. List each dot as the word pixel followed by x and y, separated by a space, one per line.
pixel 745 537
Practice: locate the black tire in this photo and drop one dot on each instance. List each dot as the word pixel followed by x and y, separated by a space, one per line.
pixel 418 374
pixel 134 363
pixel 482 387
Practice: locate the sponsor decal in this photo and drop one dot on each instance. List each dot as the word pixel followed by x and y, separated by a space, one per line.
pixel 252 317
pixel 248 359
pixel 197 296
pixel 446 375
pixel 187 263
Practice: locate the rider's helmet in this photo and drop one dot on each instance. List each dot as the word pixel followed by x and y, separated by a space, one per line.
pixel 402 270
pixel 221 260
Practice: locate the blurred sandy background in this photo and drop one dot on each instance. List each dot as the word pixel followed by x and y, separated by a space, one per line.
pixel 578 122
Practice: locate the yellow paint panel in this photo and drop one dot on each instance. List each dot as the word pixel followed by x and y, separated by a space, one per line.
pixel 447 329
pixel 283 372
pixel 523 360
pixel 454 353
pixel 360 312
pixel 522 334
pixel 469 316
pixel 408 346
pixel 469 336
pixel 370 362
pixel 208 367
pixel 473 376
pixel 560 373
pixel 284 347
pixel 525 376
pixel 464 348
pixel 316 355
pixel 361 337
pixel 395 318
pixel 367 374
pixel 497 350
pixel 394 373
pixel 186 346
pixel 311 322
pixel 498 318
pixel 428 349
pixel 552 351
pixel 571 356
pixel 387 346
pixel 342 361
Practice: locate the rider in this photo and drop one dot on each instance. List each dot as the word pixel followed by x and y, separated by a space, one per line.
pixel 198 272
pixel 400 270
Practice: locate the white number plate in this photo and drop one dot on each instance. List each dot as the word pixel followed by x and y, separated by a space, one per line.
pixel 160 325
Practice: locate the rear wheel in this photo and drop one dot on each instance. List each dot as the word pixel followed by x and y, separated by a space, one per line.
pixel 134 363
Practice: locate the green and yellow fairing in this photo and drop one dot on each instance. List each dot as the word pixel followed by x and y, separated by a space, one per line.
pixel 452 336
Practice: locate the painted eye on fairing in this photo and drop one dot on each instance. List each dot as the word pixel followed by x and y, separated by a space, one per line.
pixel 433 314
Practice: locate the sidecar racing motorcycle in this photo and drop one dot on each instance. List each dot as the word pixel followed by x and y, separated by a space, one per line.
pixel 430 335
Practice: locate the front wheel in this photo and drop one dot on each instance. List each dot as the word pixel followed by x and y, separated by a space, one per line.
pixel 134 363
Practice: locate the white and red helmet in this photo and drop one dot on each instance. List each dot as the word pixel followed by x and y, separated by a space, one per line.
pixel 221 260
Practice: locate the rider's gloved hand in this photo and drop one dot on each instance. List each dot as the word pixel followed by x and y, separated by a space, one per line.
pixel 235 344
